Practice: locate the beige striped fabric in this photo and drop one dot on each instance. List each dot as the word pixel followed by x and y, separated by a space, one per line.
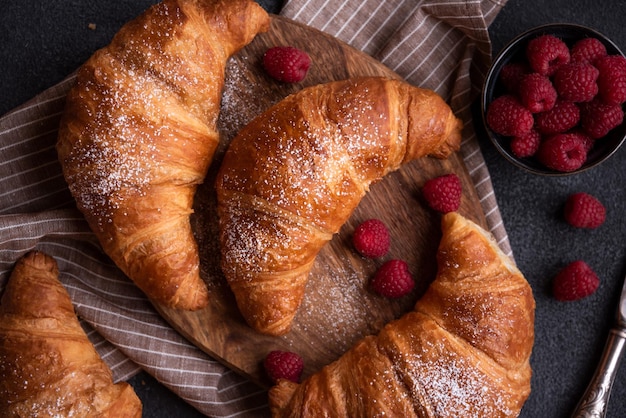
pixel 441 45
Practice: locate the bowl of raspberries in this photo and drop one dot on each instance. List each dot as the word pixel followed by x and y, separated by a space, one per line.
pixel 553 100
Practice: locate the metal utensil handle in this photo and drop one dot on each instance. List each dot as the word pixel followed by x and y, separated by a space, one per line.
pixel 596 398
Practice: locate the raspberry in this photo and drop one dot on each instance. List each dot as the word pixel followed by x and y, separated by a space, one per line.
pixel 508 117
pixel 443 193
pixel 563 152
pixel 511 74
pixel 546 53
pixel 371 238
pixel 283 365
pixel 393 279
pixel 575 281
pixel 586 139
pixel 527 145
pixel 583 210
pixel 576 82
pixel 286 63
pixel 598 118
pixel 612 78
pixel 587 50
pixel 537 92
pixel 563 116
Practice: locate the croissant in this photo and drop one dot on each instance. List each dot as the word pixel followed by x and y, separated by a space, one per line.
pixel 139 132
pixel 48 366
pixel 292 177
pixel 462 352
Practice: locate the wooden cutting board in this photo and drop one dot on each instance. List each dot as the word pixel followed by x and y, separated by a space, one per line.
pixel 338 308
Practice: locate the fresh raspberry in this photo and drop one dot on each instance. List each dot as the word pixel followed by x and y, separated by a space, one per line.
pixel 537 92
pixel 511 74
pixel 283 365
pixel 508 117
pixel 583 210
pixel 611 63
pixel 562 152
pixel 587 50
pixel 598 118
pixel 546 53
pixel 576 82
pixel 443 193
pixel 286 63
pixel 393 279
pixel 612 79
pixel 586 139
pixel 527 145
pixel 575 281
pixel 563 116
pixel 371 238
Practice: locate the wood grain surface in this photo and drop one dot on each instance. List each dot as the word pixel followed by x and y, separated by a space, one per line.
pixel 338 308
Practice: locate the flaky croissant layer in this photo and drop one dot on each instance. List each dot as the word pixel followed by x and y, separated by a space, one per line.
pixel 462 352
pixel 48 366
pixel 292 177
pixel 139 132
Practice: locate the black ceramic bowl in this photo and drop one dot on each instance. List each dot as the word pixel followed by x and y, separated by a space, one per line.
pixel 514 51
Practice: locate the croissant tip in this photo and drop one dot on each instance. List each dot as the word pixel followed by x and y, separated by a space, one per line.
pixel 191 301
pixel 275 332
pixel 39 260
pixel 452 142
pixel 196 305
pixel 449 217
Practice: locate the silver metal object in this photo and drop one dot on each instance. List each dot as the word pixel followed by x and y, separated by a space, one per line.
pixel 594 402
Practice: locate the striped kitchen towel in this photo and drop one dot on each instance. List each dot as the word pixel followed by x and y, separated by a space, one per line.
pixel 440 45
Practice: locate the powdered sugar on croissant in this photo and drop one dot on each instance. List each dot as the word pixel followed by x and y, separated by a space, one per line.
pixel 292 177
pixel 139 132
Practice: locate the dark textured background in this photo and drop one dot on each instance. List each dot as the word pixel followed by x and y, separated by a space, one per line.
pixel 42 41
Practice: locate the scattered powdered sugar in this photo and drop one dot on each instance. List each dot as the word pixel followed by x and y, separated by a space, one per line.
pixel 246 243
pixel 455 386
pixel 261 238
pixel 344 316
pixel 239 103
pixel 119 156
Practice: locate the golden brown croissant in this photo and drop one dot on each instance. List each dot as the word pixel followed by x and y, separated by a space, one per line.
pixel 48 366
pixel 292 177
pixel 139 132
pixel 463 352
